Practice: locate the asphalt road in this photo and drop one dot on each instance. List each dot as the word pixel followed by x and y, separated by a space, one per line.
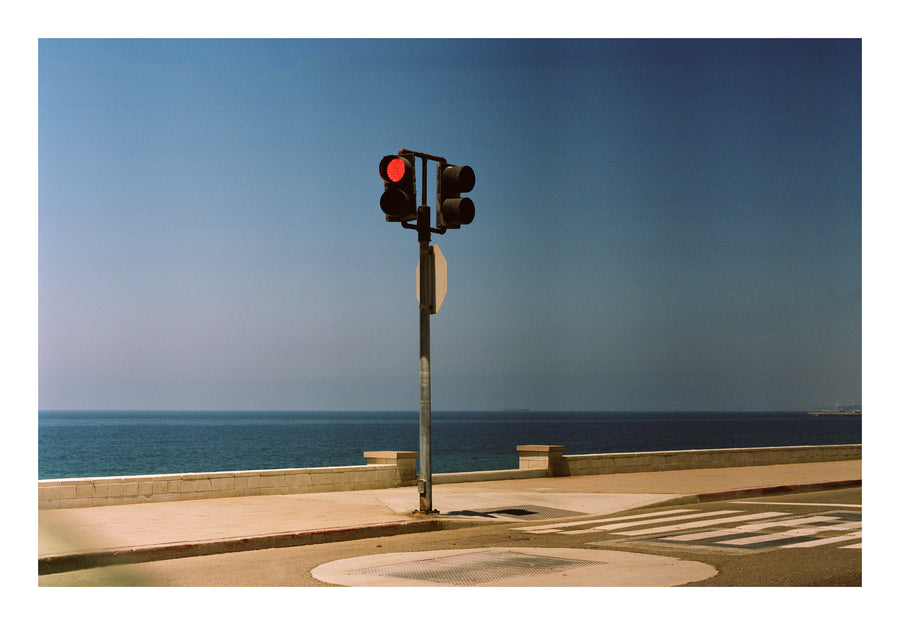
pixel 811 539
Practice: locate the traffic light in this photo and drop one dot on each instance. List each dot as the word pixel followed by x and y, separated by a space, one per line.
pixel 399 198
pixel 452 210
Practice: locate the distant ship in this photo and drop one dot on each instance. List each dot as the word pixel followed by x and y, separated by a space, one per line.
pixel 835 413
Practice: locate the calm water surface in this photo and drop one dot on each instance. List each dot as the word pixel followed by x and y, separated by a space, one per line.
pixel 103 443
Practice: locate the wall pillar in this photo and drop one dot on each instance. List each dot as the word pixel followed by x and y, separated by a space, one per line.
pixel 547 457
pixel 405 461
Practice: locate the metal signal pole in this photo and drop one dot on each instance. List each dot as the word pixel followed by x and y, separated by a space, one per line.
pixel 397 202
pixel 426 282
pixel 426 272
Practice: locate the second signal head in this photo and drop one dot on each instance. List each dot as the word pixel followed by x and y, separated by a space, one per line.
pixel 453 210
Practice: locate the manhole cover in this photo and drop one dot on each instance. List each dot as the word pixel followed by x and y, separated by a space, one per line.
pixel 471 569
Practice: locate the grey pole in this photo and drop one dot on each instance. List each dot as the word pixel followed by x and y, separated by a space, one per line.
pixel 426 270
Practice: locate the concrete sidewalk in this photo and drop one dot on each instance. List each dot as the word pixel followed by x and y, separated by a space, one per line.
pixel 71 539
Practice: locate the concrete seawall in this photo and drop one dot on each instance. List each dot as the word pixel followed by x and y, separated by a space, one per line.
pixel 551 458
pixel 385 469
pixel 392 469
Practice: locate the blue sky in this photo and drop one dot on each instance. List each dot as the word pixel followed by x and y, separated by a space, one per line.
pixel 660 224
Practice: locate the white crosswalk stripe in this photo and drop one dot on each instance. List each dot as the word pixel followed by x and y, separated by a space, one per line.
pixel 615 526
pixel 705 523
pixel 804 520
pixel 828 541
pixel 552 527
pixel 802 531
pixel 750 527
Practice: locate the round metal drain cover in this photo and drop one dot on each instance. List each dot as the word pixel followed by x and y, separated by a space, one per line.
pixel 474 569
pixel 501 566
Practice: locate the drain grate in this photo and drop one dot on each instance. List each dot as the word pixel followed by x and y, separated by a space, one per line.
pixel 472 569
pixel 515 512
pixel 530 513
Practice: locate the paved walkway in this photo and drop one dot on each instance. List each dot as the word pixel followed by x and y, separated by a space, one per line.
pixel 83 537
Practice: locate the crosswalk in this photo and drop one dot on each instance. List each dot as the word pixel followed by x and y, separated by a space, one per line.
pixel 728 529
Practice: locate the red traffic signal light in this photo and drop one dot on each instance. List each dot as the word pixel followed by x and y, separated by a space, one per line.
pixel 399 198
pixel 452 210
pixel 395 169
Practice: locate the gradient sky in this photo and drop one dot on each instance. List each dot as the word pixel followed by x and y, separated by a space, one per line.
pixel 660 225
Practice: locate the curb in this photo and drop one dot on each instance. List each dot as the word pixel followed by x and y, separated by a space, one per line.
pixel 745 493
pixel 775 490
pixel 64 563
pixel 763 491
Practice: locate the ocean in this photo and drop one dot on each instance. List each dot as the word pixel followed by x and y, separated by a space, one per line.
pixel 105 443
